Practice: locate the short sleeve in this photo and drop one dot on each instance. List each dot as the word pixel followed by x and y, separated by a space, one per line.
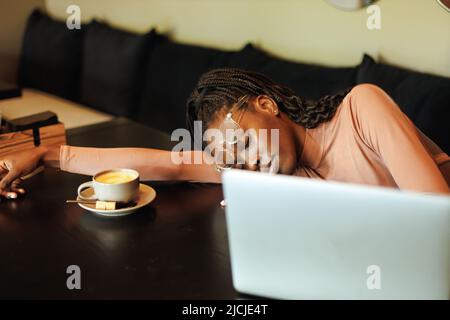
pixel 391 134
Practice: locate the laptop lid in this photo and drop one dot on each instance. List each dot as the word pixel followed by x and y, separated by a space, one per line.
pixel 299 238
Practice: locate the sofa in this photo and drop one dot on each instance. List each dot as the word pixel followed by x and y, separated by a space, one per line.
pixel 148 77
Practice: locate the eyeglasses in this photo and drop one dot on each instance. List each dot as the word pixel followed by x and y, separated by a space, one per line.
pixel 228 147
pixel 235 148
pixel 226 155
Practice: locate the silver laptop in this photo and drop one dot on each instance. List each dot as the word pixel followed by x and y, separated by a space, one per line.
pixel 298 238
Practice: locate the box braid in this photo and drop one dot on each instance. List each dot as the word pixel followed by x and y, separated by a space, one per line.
pixel 221 88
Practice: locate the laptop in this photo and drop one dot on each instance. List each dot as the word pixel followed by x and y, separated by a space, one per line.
pixel 300 238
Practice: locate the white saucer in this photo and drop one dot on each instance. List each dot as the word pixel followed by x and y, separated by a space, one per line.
pixel 146 195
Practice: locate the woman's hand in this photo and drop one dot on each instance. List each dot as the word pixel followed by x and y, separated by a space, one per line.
pixel 16 165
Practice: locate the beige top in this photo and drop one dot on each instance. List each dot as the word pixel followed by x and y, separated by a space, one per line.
pixel 371 141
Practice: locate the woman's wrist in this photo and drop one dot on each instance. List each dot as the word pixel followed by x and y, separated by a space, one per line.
pixel 50 155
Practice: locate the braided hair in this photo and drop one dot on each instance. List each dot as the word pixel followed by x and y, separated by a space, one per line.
pixel 221 88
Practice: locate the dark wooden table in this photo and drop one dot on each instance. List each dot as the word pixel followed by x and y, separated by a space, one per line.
pixel 174 248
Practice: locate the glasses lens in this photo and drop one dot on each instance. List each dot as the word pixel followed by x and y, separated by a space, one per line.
pixel 228 129
pixel 225 157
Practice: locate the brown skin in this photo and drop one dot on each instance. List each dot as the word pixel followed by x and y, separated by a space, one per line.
pixel 263 113
pixel 19 164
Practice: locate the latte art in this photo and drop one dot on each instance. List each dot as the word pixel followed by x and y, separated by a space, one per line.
pixel 115 177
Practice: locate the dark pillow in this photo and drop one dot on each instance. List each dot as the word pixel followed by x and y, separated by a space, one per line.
pixel 172 72
pixel 112 63
pixel 423 97
pixel 51 56
pixel 307 80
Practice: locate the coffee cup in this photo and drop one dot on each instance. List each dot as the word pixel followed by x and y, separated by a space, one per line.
pixel 120 185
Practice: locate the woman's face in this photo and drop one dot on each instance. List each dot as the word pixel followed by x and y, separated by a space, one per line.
pixel 260 113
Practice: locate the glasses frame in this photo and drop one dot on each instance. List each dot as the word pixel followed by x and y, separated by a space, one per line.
pixel 229 117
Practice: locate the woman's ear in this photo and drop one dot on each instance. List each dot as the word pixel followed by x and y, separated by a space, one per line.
pixel 266 104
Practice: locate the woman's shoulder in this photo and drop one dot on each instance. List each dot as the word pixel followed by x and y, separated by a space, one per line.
pixel 366 88
pixel 358 110
pixel 373 116
pixel 368 104
pixel 366 97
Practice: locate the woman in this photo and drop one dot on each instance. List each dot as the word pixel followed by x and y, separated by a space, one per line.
pixel 360 136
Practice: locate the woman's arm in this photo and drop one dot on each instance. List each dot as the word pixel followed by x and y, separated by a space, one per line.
pixel 152 164
pixel 390 133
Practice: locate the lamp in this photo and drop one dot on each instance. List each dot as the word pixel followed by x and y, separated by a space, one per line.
pixel 444 4
pixel 350 4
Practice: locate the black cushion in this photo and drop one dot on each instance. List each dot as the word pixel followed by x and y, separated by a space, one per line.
pixel 172 72
pixel 307 80
pixel 51 56
pixel 112 62
pixel 425 98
